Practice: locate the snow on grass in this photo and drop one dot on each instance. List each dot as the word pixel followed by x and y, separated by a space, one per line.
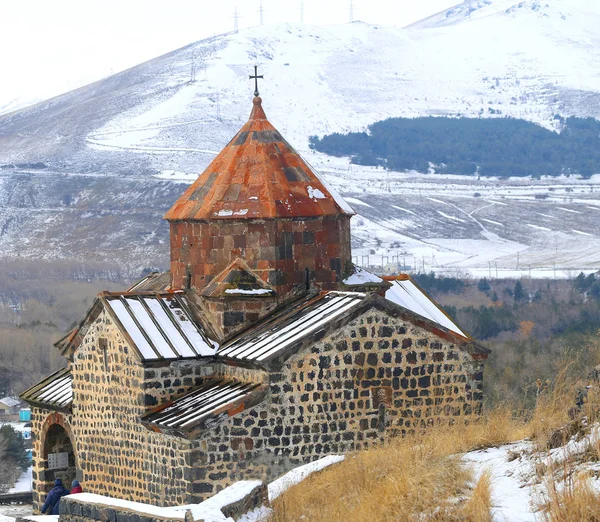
pixel 582 233
pixel 569 210
pixel 448 216
pixel 437 201
pixel 357 202
pixel 403 209
pixel 511 500
pixel 492 222
pixel 297 475
pixel 537 227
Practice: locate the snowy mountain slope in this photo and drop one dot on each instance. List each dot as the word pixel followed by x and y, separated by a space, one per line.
pixel 134 135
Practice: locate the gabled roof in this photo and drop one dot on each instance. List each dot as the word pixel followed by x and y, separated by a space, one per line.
pixel 258 175
pixel 54 392
pixel 406 293
pixel 11 402
pixel 204 406
pixel 283 330
pixel 154 282
pixel 161 326
pixel 282 334
pixel 238 280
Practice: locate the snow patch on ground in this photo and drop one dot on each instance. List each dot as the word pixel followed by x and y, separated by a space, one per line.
pixel 297 475
pixel 517 488
pixel 23 483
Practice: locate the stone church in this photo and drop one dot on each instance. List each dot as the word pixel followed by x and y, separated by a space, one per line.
pixel 262 348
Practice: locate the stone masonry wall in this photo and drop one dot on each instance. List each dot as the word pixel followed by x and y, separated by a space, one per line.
pixel 164 383
pixel 117 455
pixel 278 251
pixel 376 378
pixel 41 421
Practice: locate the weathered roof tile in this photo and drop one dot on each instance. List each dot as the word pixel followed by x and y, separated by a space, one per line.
pixel 258 175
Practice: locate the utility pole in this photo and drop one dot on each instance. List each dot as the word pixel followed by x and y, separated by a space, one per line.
pixel 235 20
pixel 260 10
pixel 351 11
pixel 193 67
pixel 218 107
pixel 301 11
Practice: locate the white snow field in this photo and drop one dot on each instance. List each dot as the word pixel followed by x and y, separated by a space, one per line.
pixel 517 490
pixel 89 174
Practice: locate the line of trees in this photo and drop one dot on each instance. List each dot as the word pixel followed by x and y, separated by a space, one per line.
pixel 13 460
pixel 488 147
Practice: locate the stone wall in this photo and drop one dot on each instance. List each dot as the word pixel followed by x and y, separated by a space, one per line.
pixel 163 383
pixel 234 503
pixel 42 420
pixel 278 251
pixel 377 377
pixel 118 456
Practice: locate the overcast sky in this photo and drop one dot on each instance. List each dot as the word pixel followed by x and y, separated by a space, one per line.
pixel 64 41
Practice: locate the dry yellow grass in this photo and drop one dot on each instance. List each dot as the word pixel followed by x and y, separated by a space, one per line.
pixel 478 507
pixel 416 477
pixel 574 500
pixel 420 477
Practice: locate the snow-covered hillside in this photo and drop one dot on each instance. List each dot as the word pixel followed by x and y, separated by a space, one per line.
pixel 114 151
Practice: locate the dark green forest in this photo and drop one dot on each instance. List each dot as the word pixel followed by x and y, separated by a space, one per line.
pixel 488 147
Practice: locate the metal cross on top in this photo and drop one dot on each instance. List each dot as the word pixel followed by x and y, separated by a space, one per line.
pixel 255 78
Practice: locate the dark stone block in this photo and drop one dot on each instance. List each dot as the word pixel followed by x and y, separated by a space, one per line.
pixel 424 382
pixel 233 318
pixel 202 487
pixel 324 361
pixel 150 400
pixel 406 343
pixel 372 359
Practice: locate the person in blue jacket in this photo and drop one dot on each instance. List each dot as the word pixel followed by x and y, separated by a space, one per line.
pixel 50 507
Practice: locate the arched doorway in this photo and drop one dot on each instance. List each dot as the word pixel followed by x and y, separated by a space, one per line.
pixel 58 456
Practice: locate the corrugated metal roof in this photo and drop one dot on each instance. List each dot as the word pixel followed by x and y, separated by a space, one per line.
pixel 405 293
pixel 161 326
pixel 55 391
pixel 199 405
pixel 11 402
pixel 258 175
pixel 285 329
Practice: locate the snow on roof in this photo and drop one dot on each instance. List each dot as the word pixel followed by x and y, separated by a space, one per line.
pixel 161 326
pixel 11 402
pixel 361 276
pixel 55 391
pixel 197 406
pixel 285 329
pixel 406 294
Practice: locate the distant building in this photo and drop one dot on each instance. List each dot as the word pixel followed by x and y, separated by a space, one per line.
pixel 9 406
pixel 261 349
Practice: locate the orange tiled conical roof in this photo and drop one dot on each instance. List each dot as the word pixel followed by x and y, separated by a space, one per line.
pixel 257 175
